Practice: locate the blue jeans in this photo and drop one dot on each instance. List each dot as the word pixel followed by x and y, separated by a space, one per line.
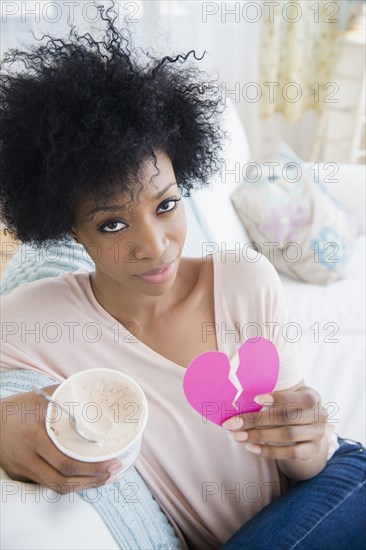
pixel 326 512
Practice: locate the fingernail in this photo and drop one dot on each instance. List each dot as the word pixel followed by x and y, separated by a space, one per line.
pixel 264 399
pixel 241 436
pixel 253 448
pixel 112 479
pixel 114 468
pixel 233 423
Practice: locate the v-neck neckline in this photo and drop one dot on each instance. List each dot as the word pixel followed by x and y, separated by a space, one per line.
pixel 142 345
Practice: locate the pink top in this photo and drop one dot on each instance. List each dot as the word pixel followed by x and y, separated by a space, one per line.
pixel 207 484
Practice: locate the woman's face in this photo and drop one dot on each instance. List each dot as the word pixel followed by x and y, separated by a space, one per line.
pixel 127 240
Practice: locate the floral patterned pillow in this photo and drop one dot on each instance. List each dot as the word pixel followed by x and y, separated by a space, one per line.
pixel 294 222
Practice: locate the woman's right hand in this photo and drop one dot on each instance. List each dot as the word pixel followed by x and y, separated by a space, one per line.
pixel 28 454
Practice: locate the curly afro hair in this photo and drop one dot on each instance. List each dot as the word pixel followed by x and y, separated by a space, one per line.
pixel 88 113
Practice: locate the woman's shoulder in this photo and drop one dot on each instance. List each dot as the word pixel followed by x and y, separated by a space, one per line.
pixel 230 271
pixel 235 264
pixel 244 264
pixel 48 292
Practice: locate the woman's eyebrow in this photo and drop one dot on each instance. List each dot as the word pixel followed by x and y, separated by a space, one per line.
pixel 117 208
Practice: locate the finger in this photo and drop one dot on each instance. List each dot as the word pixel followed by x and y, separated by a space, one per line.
pixel 302 451
pixel 70 467
pixel 44 474
pixel 280 435
pixel 279 415
pixel 305 398
pixel 300 407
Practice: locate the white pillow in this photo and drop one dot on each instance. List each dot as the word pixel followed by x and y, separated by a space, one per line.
pixel 212 204
pixel 346 184
pixel 35 517
pixel 295 222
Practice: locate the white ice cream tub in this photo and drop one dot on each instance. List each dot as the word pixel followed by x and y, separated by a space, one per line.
pixel 57 420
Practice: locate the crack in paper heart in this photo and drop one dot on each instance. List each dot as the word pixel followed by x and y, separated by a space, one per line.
pixel 234 365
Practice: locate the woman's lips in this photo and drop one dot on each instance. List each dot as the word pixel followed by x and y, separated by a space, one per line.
pixel 156 270
pixel 160 275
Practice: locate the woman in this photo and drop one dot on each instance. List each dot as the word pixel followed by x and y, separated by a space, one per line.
pixel 98 146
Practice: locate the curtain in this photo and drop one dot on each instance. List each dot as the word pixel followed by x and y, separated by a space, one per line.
pixel 298 52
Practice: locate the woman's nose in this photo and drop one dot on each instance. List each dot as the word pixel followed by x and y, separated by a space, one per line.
pixel 151 241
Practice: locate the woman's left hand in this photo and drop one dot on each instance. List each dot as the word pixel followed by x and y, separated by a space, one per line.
pixel 294 420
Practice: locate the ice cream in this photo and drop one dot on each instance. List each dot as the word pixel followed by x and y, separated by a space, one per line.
pixel 108 406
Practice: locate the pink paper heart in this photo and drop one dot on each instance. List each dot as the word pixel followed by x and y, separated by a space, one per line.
pixel 209 391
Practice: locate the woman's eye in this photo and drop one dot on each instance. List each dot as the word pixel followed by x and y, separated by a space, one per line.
pixel 174 201
pixel 112 227
pixel 115 226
